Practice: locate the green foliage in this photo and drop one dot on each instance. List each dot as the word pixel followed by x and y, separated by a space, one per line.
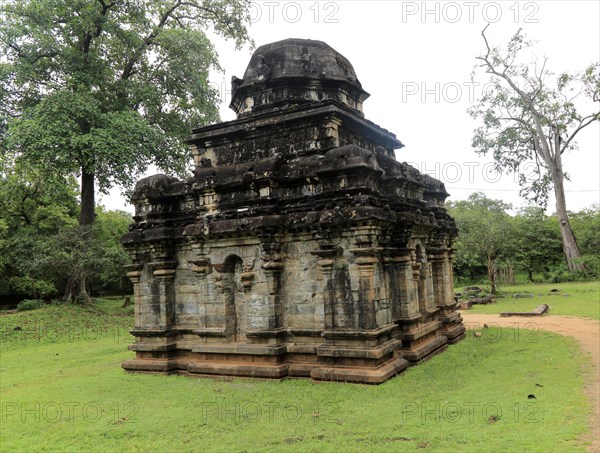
pixel 34 199
pixel 3 244
pixel 110 276
pixel 41 242
pixel 110 87
pixel 558 273
pixel 34 208
pixel 537 241
pixel 529 241
pixel 592 263
pixel 30 286
pixel 30 304
pixel 485 234
pixel 586 225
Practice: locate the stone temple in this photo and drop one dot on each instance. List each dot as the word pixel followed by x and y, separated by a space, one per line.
pixel 300 247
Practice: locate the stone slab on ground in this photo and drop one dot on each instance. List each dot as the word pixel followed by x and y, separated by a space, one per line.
pixel 540 310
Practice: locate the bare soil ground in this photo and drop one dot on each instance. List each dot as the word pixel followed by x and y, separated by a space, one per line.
pixel 585 331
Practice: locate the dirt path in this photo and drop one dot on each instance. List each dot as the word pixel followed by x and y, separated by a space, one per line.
pixel 585 331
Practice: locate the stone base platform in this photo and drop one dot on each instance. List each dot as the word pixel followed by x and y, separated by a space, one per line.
pixel 265 370
pixel 454 334
pixel 367 356
pixel 420 340
pixel 419 352
pixel 348 355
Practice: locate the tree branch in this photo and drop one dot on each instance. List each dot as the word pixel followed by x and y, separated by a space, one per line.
pixel 586 121
pixel 87 41
pixel 546 153
pixel 148 40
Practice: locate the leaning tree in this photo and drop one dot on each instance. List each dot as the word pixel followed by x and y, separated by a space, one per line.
pixel 104 88
pixel 530 115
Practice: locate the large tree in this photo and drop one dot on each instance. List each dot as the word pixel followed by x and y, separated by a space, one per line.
pixel 104 88
pixel 531 115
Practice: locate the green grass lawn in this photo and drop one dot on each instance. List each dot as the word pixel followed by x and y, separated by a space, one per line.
pixel 573 299
pixel 63 390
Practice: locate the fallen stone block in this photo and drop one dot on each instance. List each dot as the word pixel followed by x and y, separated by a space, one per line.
pixel 465 305
pixel 524 296
pixel 482 300
pixel 539 311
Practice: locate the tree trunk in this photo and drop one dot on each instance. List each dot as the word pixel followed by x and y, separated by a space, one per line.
pixel 491 268
pixel 88 201
pixel 530 275
pixel 76 290
pixel 569 244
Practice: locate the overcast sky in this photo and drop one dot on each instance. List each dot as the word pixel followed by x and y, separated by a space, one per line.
pixel 416 58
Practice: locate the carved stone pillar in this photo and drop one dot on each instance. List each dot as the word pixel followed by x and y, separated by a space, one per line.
pixel 201 268
pixel 164 293
pixel 272 265
pixel 327 255
pixel 392 285
pixel 419 284
pixel 442 281
pixel 367 261
pixel 451 320
pixel 134 273
pixel 272 270
pixel 429 287
pixel 437 267
pixel 407 289
pixel 450 269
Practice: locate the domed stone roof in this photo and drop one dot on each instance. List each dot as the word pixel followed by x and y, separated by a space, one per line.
pixel 296 71
pixel 299 58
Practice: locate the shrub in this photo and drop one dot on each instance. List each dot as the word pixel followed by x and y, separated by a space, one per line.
pixel 593 264
pixel 29 286
pixel 557 273
pixel 30 304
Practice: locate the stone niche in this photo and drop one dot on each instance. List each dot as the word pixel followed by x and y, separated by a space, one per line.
pixel 300 247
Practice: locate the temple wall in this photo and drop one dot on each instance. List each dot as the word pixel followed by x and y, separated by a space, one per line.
pixel 339 290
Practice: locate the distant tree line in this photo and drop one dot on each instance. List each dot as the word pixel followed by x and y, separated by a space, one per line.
pixel 493 245
pixel 41 244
